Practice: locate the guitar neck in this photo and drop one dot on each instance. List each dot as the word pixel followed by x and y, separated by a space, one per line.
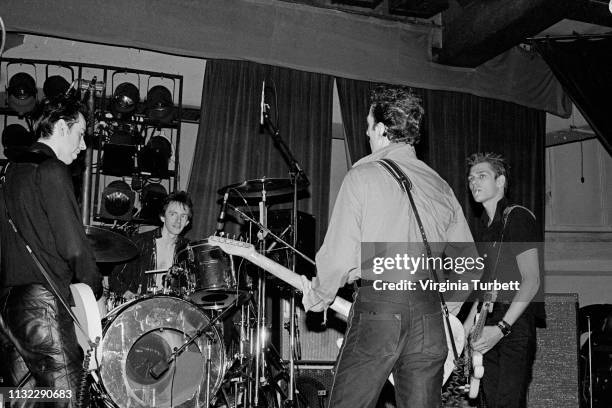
pixel 340 306
pixel 482 318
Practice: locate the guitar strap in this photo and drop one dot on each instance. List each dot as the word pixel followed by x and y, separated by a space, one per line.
pixel 505 217
pixel 406 185
pixel 35 259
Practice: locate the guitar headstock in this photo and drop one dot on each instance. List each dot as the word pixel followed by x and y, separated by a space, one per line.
pixel 232 246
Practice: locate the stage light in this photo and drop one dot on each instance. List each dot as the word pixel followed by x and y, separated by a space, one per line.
pixel 54 86
pixel 15 135
pixel 160 107
pixel 154 157
pixel 21 92
pixel 152 199
pixel 119 159
pixel 117 201
pixel 125 98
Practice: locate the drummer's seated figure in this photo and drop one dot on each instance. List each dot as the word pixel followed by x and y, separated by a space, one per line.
pixel 157 250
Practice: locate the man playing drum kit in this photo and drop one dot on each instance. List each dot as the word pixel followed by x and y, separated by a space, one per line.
pixel 157 250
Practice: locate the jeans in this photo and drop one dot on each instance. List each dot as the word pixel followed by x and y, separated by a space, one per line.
pixel 508 365
pixel 399 332
pixel 38 337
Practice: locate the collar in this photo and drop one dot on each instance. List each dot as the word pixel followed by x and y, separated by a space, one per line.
pixel 499 210
pixel 36 153
pixel 157 233
pixel 394 149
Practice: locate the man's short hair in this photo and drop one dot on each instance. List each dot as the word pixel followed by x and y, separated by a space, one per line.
pixel 400 110
pixel 178 197
pixel 497 162
pixel 49 111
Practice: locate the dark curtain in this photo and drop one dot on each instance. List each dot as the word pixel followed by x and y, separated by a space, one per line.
pixel 354 99
pixel 354 105
pixel 460 124
pixel 583 68
pixel 231 149
pixel 456 125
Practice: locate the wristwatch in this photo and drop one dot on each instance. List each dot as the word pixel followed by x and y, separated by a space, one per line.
pixel 505 328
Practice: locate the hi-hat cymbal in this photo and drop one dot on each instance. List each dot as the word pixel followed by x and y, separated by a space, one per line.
pixel 255 188
pixel 108 246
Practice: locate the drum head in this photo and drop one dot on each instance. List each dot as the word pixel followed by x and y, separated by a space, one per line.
pixel 214 299
pixel 137 343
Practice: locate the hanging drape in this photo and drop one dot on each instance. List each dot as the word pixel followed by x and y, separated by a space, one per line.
pixel 291 35
pixel 230 147
pixel 456 125
pixel 353 96
pixel 583 68
pixel 460 124
pixel 354 99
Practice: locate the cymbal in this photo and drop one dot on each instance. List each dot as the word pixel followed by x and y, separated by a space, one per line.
pixel 108 246
pixel 254 188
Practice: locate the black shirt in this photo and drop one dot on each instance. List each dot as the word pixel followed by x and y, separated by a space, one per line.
pixel 132 275
pixel 39 195
pixel 500 245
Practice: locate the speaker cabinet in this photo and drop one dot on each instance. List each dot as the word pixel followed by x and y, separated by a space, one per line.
pixel 555 371
pixel 317 347
pixel 314 384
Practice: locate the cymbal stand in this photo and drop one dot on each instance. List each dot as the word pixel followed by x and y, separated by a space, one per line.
pixel 208 368
pixel 261 304
pixel 290 402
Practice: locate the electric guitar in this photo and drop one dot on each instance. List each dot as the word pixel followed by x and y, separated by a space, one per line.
pixel 87 313
pixel 340 305
pixel 473 357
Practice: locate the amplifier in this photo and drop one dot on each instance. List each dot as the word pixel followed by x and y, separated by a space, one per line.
pixel 555 371
pixel 316 346
pixel 314 384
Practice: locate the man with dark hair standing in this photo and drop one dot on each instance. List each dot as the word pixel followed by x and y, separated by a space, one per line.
pixel 508 237
pixel 399 332
pixel 157 249
pixel 37 195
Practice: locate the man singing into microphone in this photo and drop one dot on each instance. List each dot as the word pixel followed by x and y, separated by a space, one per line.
pixel 157 249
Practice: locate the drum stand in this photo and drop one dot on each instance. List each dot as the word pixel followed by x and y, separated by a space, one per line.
pixel 261 305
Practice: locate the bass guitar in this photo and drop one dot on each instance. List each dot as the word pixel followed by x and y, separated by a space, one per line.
pixel 474 358
pixel 87 313
pixel 340 305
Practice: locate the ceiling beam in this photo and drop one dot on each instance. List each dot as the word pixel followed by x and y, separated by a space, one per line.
pixel 417 8
pixel 485 29
pixel 593 12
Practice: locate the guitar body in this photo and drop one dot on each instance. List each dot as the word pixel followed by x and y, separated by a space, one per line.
pixel 340 305
pixel 475 357
pixel 88 315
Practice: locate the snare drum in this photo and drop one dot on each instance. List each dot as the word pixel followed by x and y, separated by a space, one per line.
pixel 142 335
pixel 215 284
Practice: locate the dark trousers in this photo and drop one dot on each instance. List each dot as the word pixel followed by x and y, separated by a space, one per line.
pixel 508 365
pixel 38 337
pixel 398 332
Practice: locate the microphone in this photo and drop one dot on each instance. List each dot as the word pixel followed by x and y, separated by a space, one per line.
pixel 221 219
pixel 262 105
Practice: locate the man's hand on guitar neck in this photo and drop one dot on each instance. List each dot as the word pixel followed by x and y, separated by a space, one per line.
pixel 490 336
pixel 311 302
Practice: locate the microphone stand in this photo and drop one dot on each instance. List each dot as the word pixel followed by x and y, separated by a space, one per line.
pixel 282 147
pixel 296 173
pixel 244 216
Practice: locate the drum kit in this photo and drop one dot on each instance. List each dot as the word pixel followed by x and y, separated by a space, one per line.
pixel 202 339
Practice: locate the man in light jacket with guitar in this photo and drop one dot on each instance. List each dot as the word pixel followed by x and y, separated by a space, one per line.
pixel 399 332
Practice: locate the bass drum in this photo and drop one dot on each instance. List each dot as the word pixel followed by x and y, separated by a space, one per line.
pixel 136 344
